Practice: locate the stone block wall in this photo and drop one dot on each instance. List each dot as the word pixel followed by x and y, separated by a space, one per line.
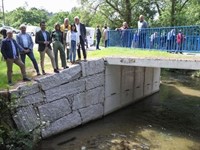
pixel 61 101
pixel 55 103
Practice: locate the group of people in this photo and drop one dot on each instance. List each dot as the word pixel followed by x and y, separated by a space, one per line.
pixel 103 34
pixel 170 41
pixel 68 40
pixel 139 36
pixel 64 37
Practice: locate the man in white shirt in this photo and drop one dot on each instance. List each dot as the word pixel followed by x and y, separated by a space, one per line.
pixel 26 42
pixel 142 25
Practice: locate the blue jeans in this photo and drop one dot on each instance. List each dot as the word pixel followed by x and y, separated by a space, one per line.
pixel 32 58
pixel 72 53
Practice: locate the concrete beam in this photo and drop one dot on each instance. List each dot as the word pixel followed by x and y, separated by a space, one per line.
pixel 155 63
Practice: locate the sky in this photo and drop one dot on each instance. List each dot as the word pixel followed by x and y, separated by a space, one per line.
pixel 49 5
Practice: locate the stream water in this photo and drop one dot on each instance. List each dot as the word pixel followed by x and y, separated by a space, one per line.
pixel 167 120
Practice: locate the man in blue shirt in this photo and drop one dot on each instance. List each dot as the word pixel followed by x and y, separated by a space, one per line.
pixel 10 51
pixel 26 42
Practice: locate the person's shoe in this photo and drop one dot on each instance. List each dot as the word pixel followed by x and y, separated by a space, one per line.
pixel 66 67
pixel 56 71
pixel 10 83
pixel 38 74
pixel 181 52
pixel 26 79
pixel 43 72
pixel 99 49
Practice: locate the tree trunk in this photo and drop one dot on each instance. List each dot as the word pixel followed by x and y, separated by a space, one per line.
pixel 173 12
pixel 128 13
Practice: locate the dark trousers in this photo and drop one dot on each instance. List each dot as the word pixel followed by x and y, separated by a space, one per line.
pixel 179 47
pixel 106 43
pixel 125 42
pixel 82 45
pixel 142 40
pixel 170 44
pixel 98 41
pixel 32 58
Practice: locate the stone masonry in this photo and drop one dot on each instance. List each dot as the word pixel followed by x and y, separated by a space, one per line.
pixel 84 92
pixel 61 101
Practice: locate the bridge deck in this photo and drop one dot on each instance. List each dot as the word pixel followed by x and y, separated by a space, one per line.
pixel 183 63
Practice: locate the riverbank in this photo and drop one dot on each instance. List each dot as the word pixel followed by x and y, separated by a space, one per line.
pixel 167 120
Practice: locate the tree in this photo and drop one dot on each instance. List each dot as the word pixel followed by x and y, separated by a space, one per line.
pixel 171 12
pixel 21 15
pixel 118 11
pixel 56 18
pixel 192 13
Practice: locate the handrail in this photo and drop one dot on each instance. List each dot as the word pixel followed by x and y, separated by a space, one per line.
pixel 172 39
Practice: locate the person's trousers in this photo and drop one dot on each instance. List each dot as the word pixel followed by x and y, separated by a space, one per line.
pixel 82 45
pixel 51 56
pixel 58 46
pixel 65 48
pixel 179 47
pixel 142 40
pixel 106 43
pixel 72 53
pixel 98 41
pixel 32 58
pixel 18 62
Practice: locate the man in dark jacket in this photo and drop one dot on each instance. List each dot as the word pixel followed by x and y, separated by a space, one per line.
pixel 98 37
pixel 82 34
pixel 10 51
pixel 44 40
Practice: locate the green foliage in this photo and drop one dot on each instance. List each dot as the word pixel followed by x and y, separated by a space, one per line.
pixel 56 18
pixel 113 12
pixel 33 16
pixel 192 13
pixel 15 140
pixel 170 13
pixel 11 139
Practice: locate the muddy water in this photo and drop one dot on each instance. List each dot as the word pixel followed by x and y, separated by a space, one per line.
pixel 168 120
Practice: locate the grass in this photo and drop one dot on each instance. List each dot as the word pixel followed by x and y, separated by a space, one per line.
pixel 127 52
pixel 112 51
pixel 16 77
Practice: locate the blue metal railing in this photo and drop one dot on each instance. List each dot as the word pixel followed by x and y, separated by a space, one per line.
pixel 172 39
